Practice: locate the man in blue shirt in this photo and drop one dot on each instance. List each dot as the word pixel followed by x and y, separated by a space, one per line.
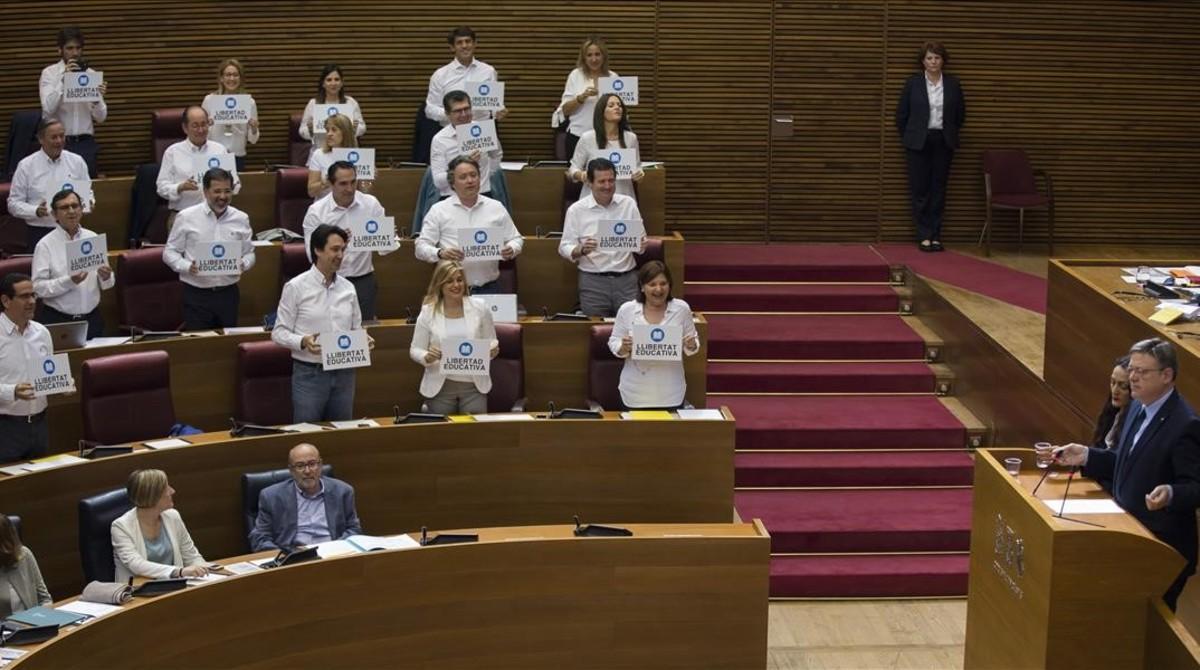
pixel 306 510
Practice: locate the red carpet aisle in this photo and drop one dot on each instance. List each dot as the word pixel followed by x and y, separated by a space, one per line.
pixel 858 470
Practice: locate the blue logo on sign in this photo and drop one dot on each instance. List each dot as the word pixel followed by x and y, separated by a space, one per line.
pixel 230 103
pixel 214 162
pixel 657 335
pixel 476 131
pixel 86 247
pixel 615 157
pixel 218 251
pixel 484 89
pixel 68 186
pixel 48 366
pixel 343 341
pixel 332 111
pixel 618 85
pixel 619 228
pixel 465 349
pixel 352 157
pixel 84 80
pixel 372 227
pixel 480 236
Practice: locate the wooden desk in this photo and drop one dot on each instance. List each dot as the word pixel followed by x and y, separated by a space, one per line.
pixel 204 374
pixel 672 596
pixel 1088 328
pixel 535 194
pixel 448 475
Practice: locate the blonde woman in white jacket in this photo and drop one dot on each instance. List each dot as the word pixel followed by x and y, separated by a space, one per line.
pixel 450 311
pixel 150 540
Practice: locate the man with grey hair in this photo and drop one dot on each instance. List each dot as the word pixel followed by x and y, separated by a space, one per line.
pixel 1155 468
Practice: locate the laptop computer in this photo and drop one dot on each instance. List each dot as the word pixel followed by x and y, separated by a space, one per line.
pixel 69 335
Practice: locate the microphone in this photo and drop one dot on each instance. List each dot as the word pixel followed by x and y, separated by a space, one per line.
pixel 1039 484
pixel 550 404
pixel 545 313
pixel 1066 490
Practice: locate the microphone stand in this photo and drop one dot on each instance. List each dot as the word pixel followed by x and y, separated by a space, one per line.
pixel 1063 507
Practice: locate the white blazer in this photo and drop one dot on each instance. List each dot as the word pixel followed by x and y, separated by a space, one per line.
pixel 431 328
pixel 129 547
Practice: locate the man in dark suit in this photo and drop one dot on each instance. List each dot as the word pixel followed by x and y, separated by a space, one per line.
pixel 305 510
pixel 1155 471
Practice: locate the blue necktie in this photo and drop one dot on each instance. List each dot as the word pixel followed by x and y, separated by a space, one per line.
pixel 1138 418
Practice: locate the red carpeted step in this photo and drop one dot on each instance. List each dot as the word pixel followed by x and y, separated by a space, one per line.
pixel 792 298
pixel 784 262
pixel 851 468
pixel 861 520
pixel 869 576
pixel 820 377
pixel 813 337
pixel 842 422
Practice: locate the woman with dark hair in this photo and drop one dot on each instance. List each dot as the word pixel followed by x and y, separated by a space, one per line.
pixel 610 130
pixel 929 116
pixel 581 90
pixel 1112 417
pixel 20 573
pixel 653 384
pixel 329 91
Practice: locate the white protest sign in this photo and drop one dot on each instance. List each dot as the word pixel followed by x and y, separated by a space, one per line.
pixel 625 161
pixel 324 110
pixel 229 109
pixel 657 343
pixel 622 235
pixel 486 96
pixel 371 233
pixel 221 258
pixel 477 135
pixel 82 187
pixel 87 254
pixel 83 86
pixel 503 306
pixel 464 356
pixel 202 164
pixel 480 244
pixel 51 375
pixel 346 349
pixel 361 158
pixel 626 87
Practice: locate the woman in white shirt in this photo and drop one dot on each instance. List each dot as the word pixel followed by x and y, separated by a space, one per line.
pixel 449 311
pixel 150 540
pixel 653 384
pixel 330 91
pixel 339 134
pixel 610 130
pixel 233 136
pixel 582 88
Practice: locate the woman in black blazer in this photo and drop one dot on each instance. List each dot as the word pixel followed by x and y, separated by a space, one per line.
pixel 930 136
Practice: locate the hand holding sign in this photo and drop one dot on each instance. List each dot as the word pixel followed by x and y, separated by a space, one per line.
pixel 51 375
pixel 621 235
pixel 83 86
pixel 477 136
pixel 362 158
pixel 625 87
pixel 657 343
pixel 480 244
pixel 346 349
pixel 229 109
pixel 87 254
pixel 487 96
pixel 462 356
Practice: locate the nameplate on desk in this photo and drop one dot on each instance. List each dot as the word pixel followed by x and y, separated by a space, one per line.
pixel 83 86
pixel 51 375
pixel 220 258
pixel 202 164
pixel 229 109
pixel 623 159
pixel 463 356
pixel 657 343
pixel 346 349
pixel 87 254
pixel 371 233
pixel 477 136
pixel 486 96
pixel 625 87
pixel 622 235
pixel 503 306
pixel 326 110
pixel 480 244
pixel 362 158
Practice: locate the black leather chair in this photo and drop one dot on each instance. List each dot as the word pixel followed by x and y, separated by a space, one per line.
pixel 96 514
pixel 252 484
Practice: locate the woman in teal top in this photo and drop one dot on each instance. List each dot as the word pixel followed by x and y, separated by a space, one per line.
pixel 151 540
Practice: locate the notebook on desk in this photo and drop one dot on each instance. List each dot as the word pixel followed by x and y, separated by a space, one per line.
pixel 46 616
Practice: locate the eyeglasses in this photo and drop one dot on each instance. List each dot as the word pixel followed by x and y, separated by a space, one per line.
pixel 1142 371
pixel 306 465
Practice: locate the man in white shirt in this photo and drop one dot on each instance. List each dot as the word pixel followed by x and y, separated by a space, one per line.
pixel 445 147
pixel 466 208
pixel 346 202
pixel 314 302
pixel 210 300
pixel 455 75
pixel 79 118
pixel 23 341
pixel 607 278
pixel 42 174
pixel 177 173
pixel 67 296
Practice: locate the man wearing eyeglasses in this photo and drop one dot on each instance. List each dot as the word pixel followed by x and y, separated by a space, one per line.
pixel 23 432
pixel 305 510
pixel 1155 469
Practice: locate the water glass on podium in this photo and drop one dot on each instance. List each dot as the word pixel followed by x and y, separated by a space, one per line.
pixel 1045 456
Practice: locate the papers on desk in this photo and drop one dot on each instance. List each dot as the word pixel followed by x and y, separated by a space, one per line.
pixel 1129 279
pixel 359 544
pixel 515 416
pixel 513 166
pixel 243 567
pixel 105 342
pixel 1180 306
pixel 302 428
pixel 647 415
pixel 169 443
pixel 89 609
pixel 261 243
pixel 243 330
pixel 206 579
pixel 1085 506
pixel 701 414
pixel 357 423
pixel 8 655
pixel 48 463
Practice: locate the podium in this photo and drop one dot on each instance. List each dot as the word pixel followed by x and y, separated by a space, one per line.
pixel 1046 592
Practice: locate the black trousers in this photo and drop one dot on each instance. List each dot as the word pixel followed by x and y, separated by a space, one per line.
pixel 366 287
pixel 88 150
pixel 35 235
pixel 22 439
pixel 207 308
pixel 928 173
pixel 95 321
pixel 572 141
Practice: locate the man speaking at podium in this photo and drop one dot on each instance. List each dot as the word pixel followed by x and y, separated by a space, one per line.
pixel 1155 470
